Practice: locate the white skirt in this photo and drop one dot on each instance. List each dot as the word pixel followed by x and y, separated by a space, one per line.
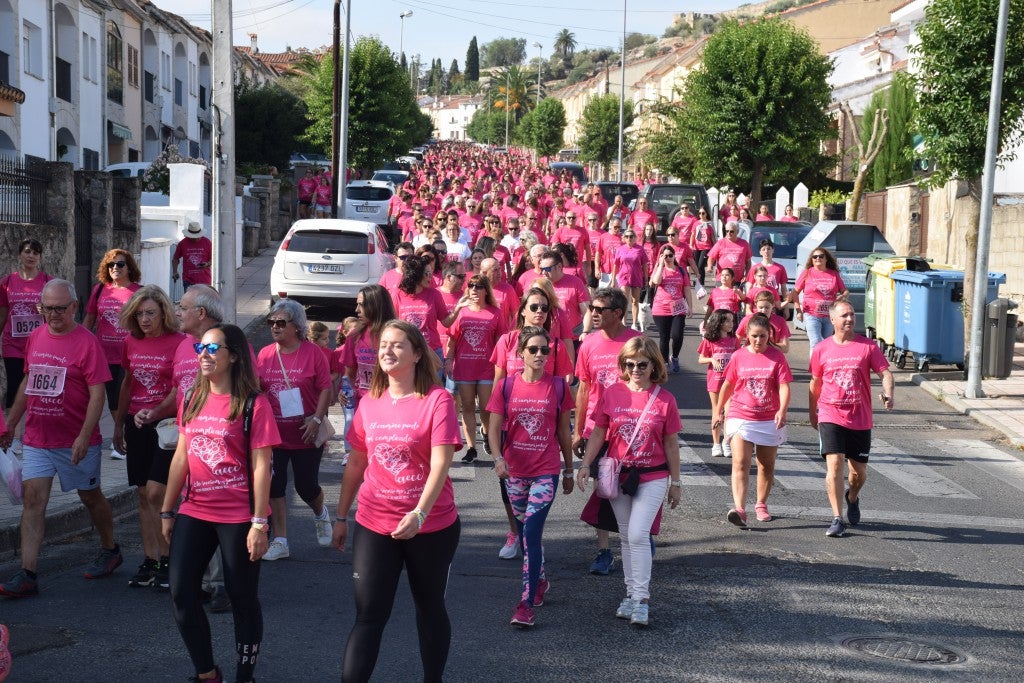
pixel 758 432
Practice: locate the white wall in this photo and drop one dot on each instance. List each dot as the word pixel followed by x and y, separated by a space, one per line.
pixel 33 115
pixel 92 94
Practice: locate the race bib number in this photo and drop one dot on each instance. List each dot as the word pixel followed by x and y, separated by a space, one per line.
pixel 679 307
pixel 724 358
pixel 23 325
pixel 291 402
pixel 821 310
pixel 45 380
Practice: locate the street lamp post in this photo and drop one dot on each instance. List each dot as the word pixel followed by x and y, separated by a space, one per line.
pixel 507 88
pixel 540 62
pixel 622 89
pixel 401 34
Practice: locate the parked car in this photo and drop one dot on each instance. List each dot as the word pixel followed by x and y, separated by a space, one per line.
pixel 610 189
pixel 367 200
pixel 664 199
pixel 394 176
pixel 329 259
pixel 310 158
pixel 575 170
pixel 131 169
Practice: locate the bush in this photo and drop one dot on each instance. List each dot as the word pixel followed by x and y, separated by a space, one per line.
pixel 157 177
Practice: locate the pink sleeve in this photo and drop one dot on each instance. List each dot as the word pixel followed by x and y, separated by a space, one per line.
pixel 563 366
pixel 264 433
pixel 878 361
pixel 444 428
pixel 672 423
pixel 599 416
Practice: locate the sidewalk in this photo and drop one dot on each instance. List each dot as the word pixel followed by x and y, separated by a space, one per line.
pixel 65 515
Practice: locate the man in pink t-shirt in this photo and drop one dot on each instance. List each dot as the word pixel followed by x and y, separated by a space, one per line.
pixel 840 408
pixel 61 399
pixel 731 252
pixel 577 236
pixel 391 279
pixel 196 255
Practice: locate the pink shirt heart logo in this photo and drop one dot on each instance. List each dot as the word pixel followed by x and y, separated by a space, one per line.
pixel 392 457
pixel 531 422
pixel 277 388
pixel 607 377
pixel 195 259
pixel 112 317
pixel 147 378
pixel 758 388
pixel 844 379
pixel 626 433
pixel 416 319
pixel 213 452
pixel 188 380
pixel 474 336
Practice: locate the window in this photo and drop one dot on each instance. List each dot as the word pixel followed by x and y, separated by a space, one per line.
pixel 115 64
pixel 94 59
pixel 149 86
pixel 63 79
pixel 32 49
pixel 5 65
pixel 179 99
pixel 165 70
pixel 90 159
pixel 202 97
pixel 86 65
pixel 133 66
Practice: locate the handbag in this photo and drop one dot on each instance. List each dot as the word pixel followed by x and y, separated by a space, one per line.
pixel 10 472
pixel 609 468
pixel 167 433
pixel 324 433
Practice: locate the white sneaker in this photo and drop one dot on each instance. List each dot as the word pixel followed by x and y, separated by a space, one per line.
pixel 726 449
pixel 116 454
pixel 640 615
pixel 324 530
pixel 277 550
pixel 625 610
pixel 17 447
pixel 716 451
pixel 510 550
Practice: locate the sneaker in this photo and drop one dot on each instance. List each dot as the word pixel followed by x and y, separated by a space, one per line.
pixel 726 449
pixel 105 563
pixel 675 366
pixel 487 446
pixel 852 509
pixel 323 527
pixel 761 509
pixel 470 455
pixel 523 616
pixel 543 586
pixel 219 601
pixel 17 447
pixel 218 678
pixel 162 580
pixel 640 616
pixel 5 652
pixel 510 550
pixel 146 574
pixel 277 550
pixel 717 451
pixel 837 529
pixel 625 609
pixel 116 454
pixel 21 585
pixel 603 563
pixel 737 517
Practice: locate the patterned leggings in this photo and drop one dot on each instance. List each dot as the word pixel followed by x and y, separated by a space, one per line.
pixel 531 498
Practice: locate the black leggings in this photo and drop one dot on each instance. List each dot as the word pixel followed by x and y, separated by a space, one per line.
pixel 192 545
pixel 305 467
pixel 113 387
pixel 15 368
pixel 700 257
pixel 670 326
pixel 377 561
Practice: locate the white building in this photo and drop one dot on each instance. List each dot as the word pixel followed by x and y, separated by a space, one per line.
pixel 451 114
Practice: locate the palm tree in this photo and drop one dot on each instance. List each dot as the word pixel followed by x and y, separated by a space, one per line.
pixel 512 87
pixel 565 45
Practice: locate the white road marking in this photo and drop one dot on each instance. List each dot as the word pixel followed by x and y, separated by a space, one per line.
pixel 951 522
pixel 987 458
pixel 797 471
pixel 912 475
pixel 695 472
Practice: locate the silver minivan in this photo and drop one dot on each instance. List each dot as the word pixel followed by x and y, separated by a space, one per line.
pixel 368 200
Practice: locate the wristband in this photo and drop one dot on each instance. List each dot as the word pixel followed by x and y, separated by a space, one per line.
pixel 169 514
pixel 420 517
pixel 341 519
pixel 259 520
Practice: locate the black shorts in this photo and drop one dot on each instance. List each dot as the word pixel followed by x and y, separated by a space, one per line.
pixel 145 459
pixel 305 202
pixel 855 444
pixel 15 373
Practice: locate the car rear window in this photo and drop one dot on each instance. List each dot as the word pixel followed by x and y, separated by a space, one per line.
pixel 784 239
pixel 672 197
pixel 368 194
pixel 328 242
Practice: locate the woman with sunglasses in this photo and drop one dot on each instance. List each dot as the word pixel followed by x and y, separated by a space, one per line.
pixel 297 379
pixel 20 294
pixel 702 239
pixel 403 437
pixel 629 272
pixel 529 430
pixel 225 474
pixel 148 395
pixel 640 423
pixel 118 277
pixel 477 327
pixel 673 299
pixel 821 284
pixel 755 394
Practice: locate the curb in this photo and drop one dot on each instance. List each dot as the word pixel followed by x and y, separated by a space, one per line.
pixel 958 404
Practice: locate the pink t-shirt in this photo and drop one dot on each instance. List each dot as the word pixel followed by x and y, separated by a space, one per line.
pixel 719 350
pixel 729 299
pixel 597 364
pixel 450 299
pixel 149 366
pixel 751 295
pixel 192 251
pixel 307 186
pixel 505 357
pixel 703 235
pixel 632 266
pixel 641 219
pixel 571 292
pixel 508 302
pixel 424 310
pixel 526 281
pixel 845 371
pixel 397 435
pixel 606 249
pixel 619 412
pixel 59 370
pixel 820 288
pixel 308 371
pixel 389 281
pixel 756 378
pixel 360 352
pixel 670 296
pixel 780 330
pixel 474 334
pixel 107 309
pixel 577 237
pixel 729 254
pixel 186 365
pixel 777 275
pixel 217 448
pixel 20 298
pixel 684 225
pixel 530 419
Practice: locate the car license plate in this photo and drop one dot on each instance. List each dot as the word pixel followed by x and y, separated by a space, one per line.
pixel 326 268
pixel 366 209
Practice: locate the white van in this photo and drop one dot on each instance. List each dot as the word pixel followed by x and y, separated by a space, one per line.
pixel 133 169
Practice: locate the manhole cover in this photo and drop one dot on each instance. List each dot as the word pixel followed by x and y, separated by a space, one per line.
pixel 904 650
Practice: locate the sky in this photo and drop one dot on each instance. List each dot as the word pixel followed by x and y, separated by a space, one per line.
pixel 443 28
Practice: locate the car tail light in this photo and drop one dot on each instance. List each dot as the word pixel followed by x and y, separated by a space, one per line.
pixel 287 241
pixel 282 295
pixel 370 248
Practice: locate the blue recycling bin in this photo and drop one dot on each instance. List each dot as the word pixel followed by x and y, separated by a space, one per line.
pixel 929 315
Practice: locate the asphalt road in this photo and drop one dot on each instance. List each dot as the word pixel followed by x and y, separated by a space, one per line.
pixel 933 571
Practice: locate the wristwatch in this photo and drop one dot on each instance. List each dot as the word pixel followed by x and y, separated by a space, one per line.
pixel 316 419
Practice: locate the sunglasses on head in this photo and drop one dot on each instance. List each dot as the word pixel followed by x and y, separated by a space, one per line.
pixel 534 350
pixel 539 308
pixel 637 365
pixel 212 347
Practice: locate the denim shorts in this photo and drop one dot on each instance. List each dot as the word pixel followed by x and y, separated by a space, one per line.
pixel 46 462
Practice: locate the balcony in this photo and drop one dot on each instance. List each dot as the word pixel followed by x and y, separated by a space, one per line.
pixel 63 78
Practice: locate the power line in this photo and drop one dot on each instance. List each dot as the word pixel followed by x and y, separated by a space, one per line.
pixel 528 21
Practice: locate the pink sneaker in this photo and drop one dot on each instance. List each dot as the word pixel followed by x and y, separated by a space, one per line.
pixel 761 509
pixel 542 589
pixel 523 615
pixel 737 517
pixel 5 653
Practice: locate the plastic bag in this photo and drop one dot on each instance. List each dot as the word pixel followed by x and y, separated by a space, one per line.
pixel 699 290
pixel 10 471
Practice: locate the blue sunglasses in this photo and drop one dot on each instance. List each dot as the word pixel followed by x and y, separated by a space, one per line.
pixel 212 347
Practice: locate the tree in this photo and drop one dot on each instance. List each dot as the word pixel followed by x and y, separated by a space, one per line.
pixel 383 120
pixel 895 162
pixel 512 86
pixel 953 78
pixel 543 128
pixel 599 129
pixel 755 109
pixel 473 61
pixel 866 152
pixel 488 126
pixel 504 52
pixel 638 40
pixel 565 45
pixel 268 119
pixel 453 71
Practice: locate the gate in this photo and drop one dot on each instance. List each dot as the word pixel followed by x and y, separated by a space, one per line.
pixel 874 209
pixel 83 250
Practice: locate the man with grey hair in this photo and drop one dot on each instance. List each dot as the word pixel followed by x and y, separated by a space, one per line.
pixel 526 279
pixel 731 251
pixel 62 399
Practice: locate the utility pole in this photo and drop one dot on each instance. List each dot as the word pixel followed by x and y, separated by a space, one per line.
pixel 335 115
pixel 342 175
pixel 401 34
pixel 540 63
pixel 223 102
pixel 622 90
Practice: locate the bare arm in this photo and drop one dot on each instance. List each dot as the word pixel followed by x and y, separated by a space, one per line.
pixel 97 394
pixel 257 541
pixel 813 392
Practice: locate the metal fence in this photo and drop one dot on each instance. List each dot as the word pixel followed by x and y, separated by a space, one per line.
pixel 23 185
pixel 119 193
